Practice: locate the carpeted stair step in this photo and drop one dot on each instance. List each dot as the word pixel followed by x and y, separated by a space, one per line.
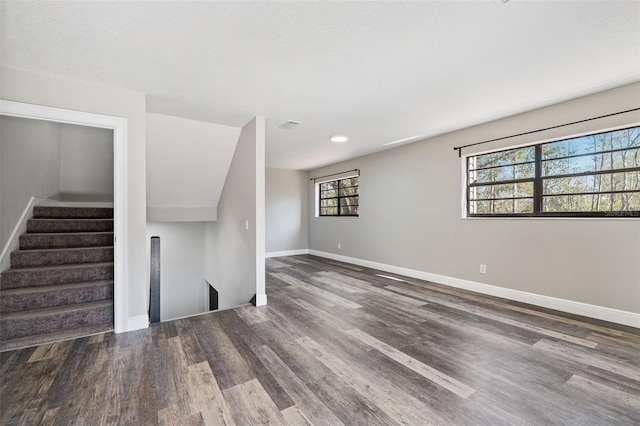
pixel 69 225
pixel 30 258
pixel 56 336
pixel 49 275
pixel 64 240
pixel 55 212
pixel 40 321
pixel 60 284
pixel 27 298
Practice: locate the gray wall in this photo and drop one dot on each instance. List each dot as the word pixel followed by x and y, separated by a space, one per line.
pixel 183 289
pixel 411 216
pixel 86 163
pixel 44 159
pixel 287 212
pixel 30 167
pixel 232 250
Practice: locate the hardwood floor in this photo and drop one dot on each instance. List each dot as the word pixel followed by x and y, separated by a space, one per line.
pixel 338 344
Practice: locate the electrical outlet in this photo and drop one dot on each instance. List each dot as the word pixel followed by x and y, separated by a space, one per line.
pixel 339 246
pixel 483 268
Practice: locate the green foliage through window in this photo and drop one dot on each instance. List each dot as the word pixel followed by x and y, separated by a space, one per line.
pixel 594 175
pixel 339 197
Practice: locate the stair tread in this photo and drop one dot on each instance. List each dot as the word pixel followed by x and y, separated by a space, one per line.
pixel 53 287
pixel 57 267
pixel 71 219
pixel 58 234
pixel 69 225
pixel 55 310
pixel 63 249
pixel 56 336
pixel 70 211
pixel 31 257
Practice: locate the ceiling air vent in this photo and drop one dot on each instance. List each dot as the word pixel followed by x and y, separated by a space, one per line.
pixel 289 125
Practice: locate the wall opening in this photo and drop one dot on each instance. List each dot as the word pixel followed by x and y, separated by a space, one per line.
pixel 119 127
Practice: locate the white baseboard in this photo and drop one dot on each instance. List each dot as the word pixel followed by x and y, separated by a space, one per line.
pixel 137 323
pixel 593 311
pixel 13 242
pixel 286 253
pixel 261 299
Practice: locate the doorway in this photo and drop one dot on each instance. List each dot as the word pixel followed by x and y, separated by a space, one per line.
pixel 119 127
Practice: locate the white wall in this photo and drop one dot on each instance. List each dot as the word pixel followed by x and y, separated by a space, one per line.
pixel 30 167
pixel 187 162
pixel 41 89
pixel 286 212
pixel 183 289
pixel 234 246
pixel 86 163
pixel 411 208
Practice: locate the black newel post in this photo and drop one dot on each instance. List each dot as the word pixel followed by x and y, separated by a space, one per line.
pixel 154 289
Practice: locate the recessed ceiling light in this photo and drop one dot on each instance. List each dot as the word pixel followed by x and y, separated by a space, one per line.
pixel 339 138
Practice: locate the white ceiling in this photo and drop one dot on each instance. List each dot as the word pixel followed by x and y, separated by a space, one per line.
pixel 377 71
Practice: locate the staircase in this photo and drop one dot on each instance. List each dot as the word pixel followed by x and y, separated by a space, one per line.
pixel 60 284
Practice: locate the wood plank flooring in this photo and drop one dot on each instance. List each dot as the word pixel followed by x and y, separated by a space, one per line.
pixel 337 344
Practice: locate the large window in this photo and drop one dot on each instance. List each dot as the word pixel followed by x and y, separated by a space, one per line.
pixel 594 175
pixel 339 197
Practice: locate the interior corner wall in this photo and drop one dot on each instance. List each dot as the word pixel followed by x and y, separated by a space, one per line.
pixel 47 90
pixel 86 163
pixel 287 212
pixel 411 216
pixel 232 243
pixel 30 167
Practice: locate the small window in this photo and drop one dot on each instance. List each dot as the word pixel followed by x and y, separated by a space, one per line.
pixel 594 175
pixel 339 197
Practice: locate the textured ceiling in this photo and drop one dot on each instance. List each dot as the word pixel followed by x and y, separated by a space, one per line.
pixel 377 71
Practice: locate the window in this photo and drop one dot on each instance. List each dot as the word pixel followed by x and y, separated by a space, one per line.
pixel 594 175
pixel 339 197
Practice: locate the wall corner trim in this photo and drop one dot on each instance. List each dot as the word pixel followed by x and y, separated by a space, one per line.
pixel 261 299
pixel 137 323
pixel 286 253
pixel 573 307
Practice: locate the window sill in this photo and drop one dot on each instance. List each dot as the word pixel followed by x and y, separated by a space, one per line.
pixel 603 218
pixel 337 217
